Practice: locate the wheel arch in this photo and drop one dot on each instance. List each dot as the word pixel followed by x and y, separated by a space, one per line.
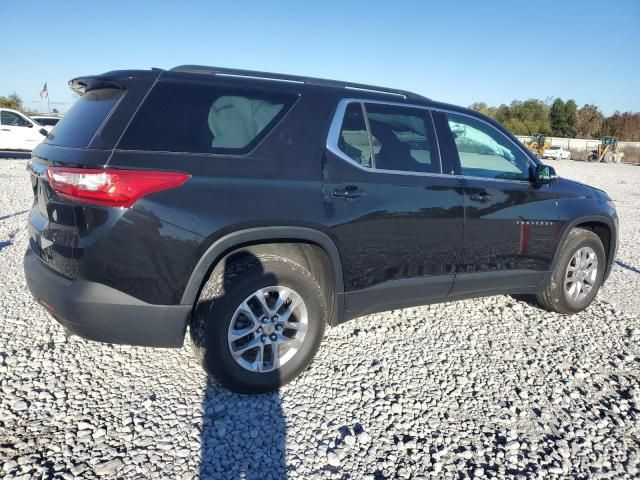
pixel 272 240
pixel 600 225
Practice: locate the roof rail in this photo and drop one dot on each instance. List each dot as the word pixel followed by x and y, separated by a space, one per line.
pixel 234 72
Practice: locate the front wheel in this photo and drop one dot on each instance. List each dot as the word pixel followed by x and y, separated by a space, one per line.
pixel 577 276
pixel 259 322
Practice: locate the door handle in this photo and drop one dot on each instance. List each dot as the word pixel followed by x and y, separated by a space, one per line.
pixel 350 191
pixel 481 196
pixel 5 129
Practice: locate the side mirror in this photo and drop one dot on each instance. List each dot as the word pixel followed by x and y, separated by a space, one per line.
pixel 29 125
pixel 43 132
pixel 544 174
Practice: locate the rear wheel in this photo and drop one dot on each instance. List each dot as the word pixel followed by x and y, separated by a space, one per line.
pixel 577 276
pixel 258 323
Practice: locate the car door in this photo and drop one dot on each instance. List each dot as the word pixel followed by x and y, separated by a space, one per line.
pixel 396 219
pixel 510 223
pixel 9 136
pixel 18 133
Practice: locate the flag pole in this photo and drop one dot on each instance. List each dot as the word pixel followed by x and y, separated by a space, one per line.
pixel 48 104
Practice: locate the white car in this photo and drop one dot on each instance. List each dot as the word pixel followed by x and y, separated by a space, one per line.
pixel 19 132
pixel 47 121
pixel 559 153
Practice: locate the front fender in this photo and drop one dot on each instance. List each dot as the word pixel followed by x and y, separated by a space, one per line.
pixel 608 220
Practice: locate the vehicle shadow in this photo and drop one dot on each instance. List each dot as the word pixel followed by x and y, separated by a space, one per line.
pixel 243 436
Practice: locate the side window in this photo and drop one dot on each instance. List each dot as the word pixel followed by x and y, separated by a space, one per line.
pixel 402 138
pixel 12 119
pixel 354 139
pixel 485 151
pixel 182 117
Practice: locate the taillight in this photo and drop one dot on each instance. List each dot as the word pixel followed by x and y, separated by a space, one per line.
pixel 115 188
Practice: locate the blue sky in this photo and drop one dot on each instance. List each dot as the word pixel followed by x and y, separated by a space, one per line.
pixel 459 52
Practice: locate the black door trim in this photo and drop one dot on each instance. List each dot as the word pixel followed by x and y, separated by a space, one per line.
pixel 497 283
pixel 395 294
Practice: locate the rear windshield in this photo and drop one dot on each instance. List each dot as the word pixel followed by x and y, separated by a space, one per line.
pixel 195 118
pixel 81 123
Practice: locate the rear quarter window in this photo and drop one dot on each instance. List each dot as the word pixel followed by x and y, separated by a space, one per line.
pixel 195 118
pixel 81 123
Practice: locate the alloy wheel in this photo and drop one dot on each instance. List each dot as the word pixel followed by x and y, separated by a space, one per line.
pixel 267 329
pixel 581 274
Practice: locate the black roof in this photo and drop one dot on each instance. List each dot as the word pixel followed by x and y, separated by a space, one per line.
pixel 233 72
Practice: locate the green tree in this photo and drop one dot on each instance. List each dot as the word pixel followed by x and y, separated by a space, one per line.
pixel 13 101
pixel 562 118
pixel 557 118
pixel 484 109
pixel 589 121
pixel 570 110
pixel 525 118
pixel 516 127
pixel 503 114
pixel 534 115
pixel 479 107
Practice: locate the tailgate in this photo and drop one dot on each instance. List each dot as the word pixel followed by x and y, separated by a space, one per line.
pixel 52 228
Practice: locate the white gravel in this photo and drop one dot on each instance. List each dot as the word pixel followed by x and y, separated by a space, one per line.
pixel 482 388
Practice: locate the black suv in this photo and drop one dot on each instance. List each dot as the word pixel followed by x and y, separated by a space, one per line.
pixel 258 208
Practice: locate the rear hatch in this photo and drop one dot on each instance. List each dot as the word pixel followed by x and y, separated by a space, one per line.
pixel 84 139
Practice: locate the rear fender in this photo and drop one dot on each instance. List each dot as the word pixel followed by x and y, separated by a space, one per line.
pixel 250 236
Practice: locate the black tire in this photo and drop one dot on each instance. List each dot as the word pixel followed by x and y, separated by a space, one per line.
pixel 230 283
pixel 554 297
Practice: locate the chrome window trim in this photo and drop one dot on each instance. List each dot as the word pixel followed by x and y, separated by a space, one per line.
pixel 336 125
pixel 334 135
pixel 372 155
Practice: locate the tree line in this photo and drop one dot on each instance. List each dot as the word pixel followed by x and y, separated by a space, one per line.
pixel 563 119
pixel 14 102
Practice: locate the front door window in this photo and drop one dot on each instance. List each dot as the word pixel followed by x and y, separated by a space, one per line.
pixel 486 152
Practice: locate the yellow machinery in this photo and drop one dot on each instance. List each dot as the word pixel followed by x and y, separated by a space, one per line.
pixel 608 151
pixel 537 143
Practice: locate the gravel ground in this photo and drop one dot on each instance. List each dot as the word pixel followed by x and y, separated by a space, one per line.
pixel 492 387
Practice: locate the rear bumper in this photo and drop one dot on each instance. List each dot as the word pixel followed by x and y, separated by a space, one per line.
pixel 98 312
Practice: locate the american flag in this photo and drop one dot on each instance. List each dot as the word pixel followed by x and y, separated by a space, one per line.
pixel 44 93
